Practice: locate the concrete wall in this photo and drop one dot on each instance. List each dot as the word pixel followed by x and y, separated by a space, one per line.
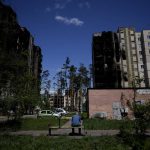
pixel 103 100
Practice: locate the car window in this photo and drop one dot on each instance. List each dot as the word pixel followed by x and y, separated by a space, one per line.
pixel 49 112
pixel 43 112
pixel 59 110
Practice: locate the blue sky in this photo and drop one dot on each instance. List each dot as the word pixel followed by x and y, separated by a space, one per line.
pixel 64 28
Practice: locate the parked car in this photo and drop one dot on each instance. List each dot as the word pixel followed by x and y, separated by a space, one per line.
pixel 43 113
pixel 61 111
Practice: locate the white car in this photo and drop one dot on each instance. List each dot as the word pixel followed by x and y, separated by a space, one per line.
pixel 43 113
pixel 60 111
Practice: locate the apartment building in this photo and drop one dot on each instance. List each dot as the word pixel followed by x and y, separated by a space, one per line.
pixel 129 60
pixel 19 55
pixel 140 58
pixel 145 39
pixel 123 66
pixel 105 60
pixel 135 66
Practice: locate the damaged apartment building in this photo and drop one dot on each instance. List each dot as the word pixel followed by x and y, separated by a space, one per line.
pixel 19 54
pixel 121 72
pixel 121 59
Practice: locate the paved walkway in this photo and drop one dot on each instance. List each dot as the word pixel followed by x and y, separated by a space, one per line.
pixel 64 131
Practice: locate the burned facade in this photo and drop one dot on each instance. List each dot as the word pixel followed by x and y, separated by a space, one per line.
pixel 121 59
pixel 18 54
pixel 105 59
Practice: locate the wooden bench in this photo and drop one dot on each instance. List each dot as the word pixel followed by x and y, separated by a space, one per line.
pixel 50 130
pixel 80 128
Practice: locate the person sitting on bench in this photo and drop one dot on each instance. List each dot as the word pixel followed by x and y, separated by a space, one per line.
pixel 76 122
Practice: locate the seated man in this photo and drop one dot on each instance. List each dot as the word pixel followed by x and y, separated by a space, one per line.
pixel 76 122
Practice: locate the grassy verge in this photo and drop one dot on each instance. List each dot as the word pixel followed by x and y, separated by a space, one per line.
pixel 41 124
pixel 31 124
pixel 98 124
pixel 45 143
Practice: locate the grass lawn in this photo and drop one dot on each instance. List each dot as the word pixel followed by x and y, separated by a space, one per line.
pixel 31 124
pixel 99 124
pixel 8 142
pixel 42 124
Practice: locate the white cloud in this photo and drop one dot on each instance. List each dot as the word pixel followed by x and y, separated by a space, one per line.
pixel 84 4
pixel 87 4
pixel 48 9
pixel 73 21
pixel 61 4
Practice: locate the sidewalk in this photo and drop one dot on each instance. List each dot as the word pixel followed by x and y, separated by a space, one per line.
pixel 63 132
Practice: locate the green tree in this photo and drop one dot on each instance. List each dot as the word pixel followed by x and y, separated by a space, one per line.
pixel 83 83
pixel 141 111
pixel 45 87
pixel 65 68
pixel 72 84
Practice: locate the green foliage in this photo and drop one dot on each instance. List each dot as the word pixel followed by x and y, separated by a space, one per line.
pixel 99 124
pixel 45 87
pixel 59 143
pixel 84 115
pixel 142 117
pixel 74 82
pixel 135 135
pixel 41 123
pixel 31 124
pixel 134 141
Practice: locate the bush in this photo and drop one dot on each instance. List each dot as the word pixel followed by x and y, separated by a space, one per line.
pixel 59 143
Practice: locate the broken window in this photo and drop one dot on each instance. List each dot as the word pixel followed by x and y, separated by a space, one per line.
pixel 125 76
pixel 123 55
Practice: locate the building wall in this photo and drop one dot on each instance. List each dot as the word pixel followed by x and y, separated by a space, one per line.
pixel 56 100
pixel 140 58
pixel 105 58
pixel 132 66
pixel 146 55
pixel 129 64
pixel 16 49
pixel 109 101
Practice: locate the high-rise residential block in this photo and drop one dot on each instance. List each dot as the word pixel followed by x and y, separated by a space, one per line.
pixel 19 55
pixel 105 58
pixel 145 40
pixel 129 61
pixel 122 59
pixel 140 59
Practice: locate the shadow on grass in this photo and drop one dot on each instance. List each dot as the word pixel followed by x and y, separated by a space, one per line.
pixel 135 141
pixel 10 125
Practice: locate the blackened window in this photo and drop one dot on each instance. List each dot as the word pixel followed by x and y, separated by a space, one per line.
pixel 148 36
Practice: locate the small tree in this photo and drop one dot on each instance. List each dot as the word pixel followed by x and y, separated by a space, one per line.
pixel 134 134
pixel 45 87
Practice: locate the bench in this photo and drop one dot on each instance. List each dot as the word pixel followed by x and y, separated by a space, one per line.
pixel 79 128
pixel 50 130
